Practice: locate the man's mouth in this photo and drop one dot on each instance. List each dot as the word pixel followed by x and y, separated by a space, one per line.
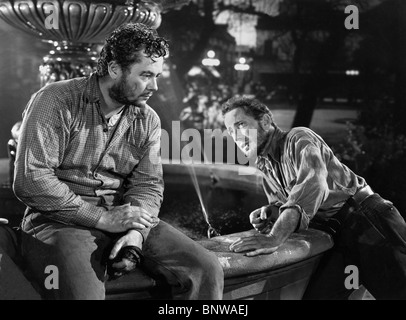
pixel 147 95
pixel 245 147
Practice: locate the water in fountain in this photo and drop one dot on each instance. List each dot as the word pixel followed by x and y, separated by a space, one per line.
pixel 211 232
pixel 167 117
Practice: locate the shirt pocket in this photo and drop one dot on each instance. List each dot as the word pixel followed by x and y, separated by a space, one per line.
pixel 126 157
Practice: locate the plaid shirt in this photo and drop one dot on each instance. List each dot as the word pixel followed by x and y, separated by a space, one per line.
pixel 301 171
pixel 70 163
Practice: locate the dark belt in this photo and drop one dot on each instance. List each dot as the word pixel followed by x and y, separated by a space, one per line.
pixel 333 224
pixel 362 194
pixel 353 203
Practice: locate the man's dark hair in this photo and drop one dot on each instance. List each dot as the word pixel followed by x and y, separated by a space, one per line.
pixel 126 44
pixel 251 107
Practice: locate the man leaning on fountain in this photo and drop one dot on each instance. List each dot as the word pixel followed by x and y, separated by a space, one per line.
pixel 307 185
pixel 88 169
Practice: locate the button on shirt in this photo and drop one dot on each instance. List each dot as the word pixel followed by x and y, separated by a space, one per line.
pixel 66 157
pixel 301 171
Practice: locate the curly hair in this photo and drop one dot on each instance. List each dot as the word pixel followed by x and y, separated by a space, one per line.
pixel 251 107
pixel 126 43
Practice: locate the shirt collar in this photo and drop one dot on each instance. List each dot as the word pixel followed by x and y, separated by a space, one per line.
pixel 274 146
pixel 93 95
pixel 92 92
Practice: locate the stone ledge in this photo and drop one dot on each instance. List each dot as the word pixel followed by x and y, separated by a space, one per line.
pixel 300 246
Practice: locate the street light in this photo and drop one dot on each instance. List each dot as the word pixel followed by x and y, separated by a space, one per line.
pixel 352 73
pixel 211 61
pixel 242 65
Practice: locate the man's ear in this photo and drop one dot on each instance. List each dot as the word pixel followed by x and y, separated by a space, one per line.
pixel 266 122
pixel 114 70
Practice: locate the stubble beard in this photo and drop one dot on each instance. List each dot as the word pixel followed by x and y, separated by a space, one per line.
pixel 262 137
pixel 118 93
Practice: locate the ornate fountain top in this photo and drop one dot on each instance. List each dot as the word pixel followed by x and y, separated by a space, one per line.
pixel 75 27
pixel 81 21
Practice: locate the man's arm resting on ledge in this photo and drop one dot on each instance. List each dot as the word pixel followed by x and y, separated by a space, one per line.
pixel 284 226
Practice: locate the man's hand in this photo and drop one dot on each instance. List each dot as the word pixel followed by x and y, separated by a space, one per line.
pixel 126 254
pixel 132 238
pixel 123 218
pixel 258 244
pixel 261 219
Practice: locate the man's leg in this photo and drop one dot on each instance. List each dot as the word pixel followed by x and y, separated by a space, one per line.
pixel 13 283
pixel 328 280
pixel 75 253
pixel 191 270
pixel 377 241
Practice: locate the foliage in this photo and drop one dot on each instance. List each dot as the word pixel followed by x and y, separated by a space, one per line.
pixel 374 150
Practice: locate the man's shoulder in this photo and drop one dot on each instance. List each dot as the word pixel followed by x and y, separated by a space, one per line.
pixel 300 137
pixel 302 133
pixel 149 112
pixel 63 87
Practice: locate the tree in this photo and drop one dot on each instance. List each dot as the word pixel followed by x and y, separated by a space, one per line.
pixel 189 29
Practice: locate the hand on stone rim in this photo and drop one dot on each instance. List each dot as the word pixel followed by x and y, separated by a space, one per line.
pixel 255 245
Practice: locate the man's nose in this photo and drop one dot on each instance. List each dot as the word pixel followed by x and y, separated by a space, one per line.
pixel 238 135
pixel 233 134
pixel 153 84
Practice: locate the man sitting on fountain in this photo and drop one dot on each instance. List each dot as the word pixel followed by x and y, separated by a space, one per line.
pixel 307 184
pixel 88 169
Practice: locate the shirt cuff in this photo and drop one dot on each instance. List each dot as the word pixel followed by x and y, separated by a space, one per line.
pixel 144 233
pixel 304 220
pixel 88 215
pixel 149 209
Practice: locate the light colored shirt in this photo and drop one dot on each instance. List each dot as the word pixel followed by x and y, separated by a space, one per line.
pixel 301 171
pixel 70 163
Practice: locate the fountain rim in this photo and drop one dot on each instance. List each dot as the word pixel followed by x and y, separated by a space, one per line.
pixel 232 168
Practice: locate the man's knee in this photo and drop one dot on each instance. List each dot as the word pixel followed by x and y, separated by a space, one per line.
pixel 203 278
pixel 77 268
pixel 214 268
pixel 206 270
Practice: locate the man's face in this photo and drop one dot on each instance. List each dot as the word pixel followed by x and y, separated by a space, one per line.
pixel 137 84
pixel 247 132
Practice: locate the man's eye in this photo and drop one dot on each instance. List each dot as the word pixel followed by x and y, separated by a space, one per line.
pixel 241 125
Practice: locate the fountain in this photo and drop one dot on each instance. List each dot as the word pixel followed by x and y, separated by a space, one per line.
pixel 229 194
pixel 76 29
pixel 217 196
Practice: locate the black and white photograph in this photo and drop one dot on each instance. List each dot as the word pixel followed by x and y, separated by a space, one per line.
pixel 220 152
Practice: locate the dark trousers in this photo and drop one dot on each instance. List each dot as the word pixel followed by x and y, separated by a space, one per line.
pixel 80 255
pixel 372 238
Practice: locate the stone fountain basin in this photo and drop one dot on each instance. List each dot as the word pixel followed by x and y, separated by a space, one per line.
pixel 283 275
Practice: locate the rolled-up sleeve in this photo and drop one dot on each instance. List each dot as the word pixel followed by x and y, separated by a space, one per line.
pixel 145 184
pixel 41 146
pixel 311 188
